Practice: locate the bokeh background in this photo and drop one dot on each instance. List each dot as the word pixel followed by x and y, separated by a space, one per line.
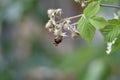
pixel 27 51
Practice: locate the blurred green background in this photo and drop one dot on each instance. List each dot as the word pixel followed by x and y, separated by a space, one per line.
pixel 27 51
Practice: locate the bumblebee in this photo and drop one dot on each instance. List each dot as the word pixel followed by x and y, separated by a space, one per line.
pixel 58 40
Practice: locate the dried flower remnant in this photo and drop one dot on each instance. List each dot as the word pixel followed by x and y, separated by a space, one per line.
pixel 50 26
pixel 67 24
pixel 51 13
pixel 59 12
pixel 75 32
pixel 60 26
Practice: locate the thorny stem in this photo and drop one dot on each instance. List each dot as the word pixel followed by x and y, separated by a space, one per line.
pixel 110 6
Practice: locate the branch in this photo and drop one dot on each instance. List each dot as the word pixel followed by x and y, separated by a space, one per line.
pixel 77 16
pixel 73 17
pixel 111 6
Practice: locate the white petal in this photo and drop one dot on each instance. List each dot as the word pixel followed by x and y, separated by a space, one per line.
pixel 64 35
pixel 109 46
pixel 50 11
pixel 82 4
pixel 114 40
pixel 108 51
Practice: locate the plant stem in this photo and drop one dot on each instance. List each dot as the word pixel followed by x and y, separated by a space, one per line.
pixel 111 6
pixel 69 18
pixel 102 5
pixel 77 16
pixel 73 17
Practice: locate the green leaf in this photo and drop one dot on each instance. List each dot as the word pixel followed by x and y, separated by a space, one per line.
pixel 112 30
pixel 114 22
pixel 92 9
pixel 117 44
pixel 87 31
pixel 98 22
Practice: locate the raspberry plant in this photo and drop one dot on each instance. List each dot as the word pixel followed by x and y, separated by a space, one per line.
pixel 87 24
